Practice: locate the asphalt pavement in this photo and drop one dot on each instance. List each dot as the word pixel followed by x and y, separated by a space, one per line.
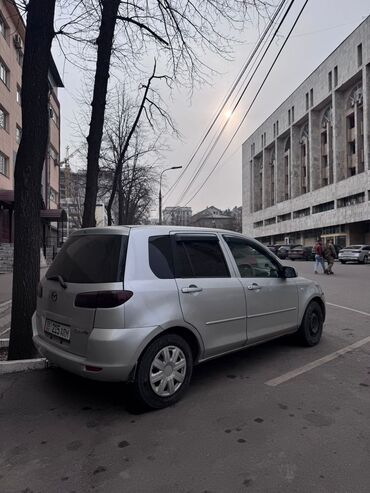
pixel 273 418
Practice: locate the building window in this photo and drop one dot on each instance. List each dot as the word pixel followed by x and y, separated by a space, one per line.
pixel 262 141
pixel 4 164
pixel 19 56
pixel 264 138
pixel 307 101
pixel 359 55
pixel 311 97
pixel 3 26
pixel 277 127
pixel 53 195
pixel 330 82
pixel 288 117
pixel 357 198
pixel 4 73
pixel 326 206
pixel 53 115
pixel 274 129
pixel 335 76
pixel 18 97
pixel 4 117
pixel 284 217
pixel 292 114
pixel 18 134
pixel 53 155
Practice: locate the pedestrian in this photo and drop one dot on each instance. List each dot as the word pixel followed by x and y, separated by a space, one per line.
pixel 329 255
pixel 319 259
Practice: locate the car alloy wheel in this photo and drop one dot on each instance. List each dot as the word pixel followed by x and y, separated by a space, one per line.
pixel 314 326
pixel 366 259
pixel 168 371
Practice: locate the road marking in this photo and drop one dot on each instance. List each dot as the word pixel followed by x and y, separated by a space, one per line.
pixel 5 303
pixel 350 309
pixel 314 364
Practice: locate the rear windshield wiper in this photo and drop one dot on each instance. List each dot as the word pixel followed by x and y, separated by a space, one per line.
pixel 58 278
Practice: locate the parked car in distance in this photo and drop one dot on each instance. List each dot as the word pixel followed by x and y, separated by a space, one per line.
pixel 283 250
pixel 144 304
pixel 355 253
pixel 301 253
pixel 273 248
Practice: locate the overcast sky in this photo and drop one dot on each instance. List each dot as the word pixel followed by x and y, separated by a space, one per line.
pixel 323 25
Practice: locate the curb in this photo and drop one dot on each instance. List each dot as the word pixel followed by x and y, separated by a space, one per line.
pixel 23 365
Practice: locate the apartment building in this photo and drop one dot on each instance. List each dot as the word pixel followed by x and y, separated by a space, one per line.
pixel 179 216
pixel 12 37
pixel 306 169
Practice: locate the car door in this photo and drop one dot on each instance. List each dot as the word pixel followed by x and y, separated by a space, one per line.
pixel 211 299
pixel 272 301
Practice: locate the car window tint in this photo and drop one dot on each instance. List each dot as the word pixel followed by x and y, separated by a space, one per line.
pixel 90 259
pixel 160 256
pixel 199 258
pixel 250 261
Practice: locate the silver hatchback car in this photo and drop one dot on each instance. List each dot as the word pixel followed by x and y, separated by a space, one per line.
pixel 143 304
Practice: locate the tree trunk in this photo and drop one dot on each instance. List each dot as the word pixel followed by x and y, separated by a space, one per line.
pixel 105 43
pixel 28 171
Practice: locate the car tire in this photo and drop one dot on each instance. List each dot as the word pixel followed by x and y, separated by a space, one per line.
pixel 365 260
pixel 342 261
pixel 310 331
pixel 149 392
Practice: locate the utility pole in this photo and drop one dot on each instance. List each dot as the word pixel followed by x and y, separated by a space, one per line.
pixel 160 190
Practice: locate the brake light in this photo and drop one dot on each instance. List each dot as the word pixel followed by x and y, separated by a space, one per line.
pixel 39 290
pixel 102 299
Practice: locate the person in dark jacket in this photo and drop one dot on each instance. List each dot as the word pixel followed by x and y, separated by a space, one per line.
pixel 329 255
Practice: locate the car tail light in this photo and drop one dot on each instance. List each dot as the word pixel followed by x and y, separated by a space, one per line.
pixel 102 299
pixel 39 290
pixel 93 368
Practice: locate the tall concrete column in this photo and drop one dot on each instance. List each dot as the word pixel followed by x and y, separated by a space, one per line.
pixel 314 164
pixel 339 137
pixel 295 153
pixel 366 103
pixel 280 170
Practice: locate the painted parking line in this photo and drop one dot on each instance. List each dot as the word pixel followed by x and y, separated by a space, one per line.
pixel 2 332
pixel 319 362
pixel 350 309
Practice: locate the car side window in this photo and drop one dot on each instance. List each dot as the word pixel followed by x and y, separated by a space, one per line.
pixel 160 256
pixel 199 258
pixel 250 261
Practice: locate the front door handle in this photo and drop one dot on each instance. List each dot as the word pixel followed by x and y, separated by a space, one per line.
pixel 191 289
pixel 254 287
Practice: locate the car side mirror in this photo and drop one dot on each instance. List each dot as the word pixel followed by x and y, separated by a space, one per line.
pixel 288 272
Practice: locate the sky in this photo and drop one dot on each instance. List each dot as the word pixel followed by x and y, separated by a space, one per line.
pixel 323 25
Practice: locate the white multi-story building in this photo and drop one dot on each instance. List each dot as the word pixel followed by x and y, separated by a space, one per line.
pixel 306 169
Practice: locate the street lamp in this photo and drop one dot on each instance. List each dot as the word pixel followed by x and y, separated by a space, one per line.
pixel 160 190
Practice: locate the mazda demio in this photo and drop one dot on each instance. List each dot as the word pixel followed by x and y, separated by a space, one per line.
pixel 144 304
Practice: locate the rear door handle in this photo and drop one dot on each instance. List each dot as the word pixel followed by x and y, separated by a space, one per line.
pixel 191 289
pixel 254 287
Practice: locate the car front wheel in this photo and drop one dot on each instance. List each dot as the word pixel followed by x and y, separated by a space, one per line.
pixel 342 261
pixel 366 260
pixel 164 372
pixel 311 327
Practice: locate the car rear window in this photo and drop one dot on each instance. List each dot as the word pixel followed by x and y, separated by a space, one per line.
pixel 91 259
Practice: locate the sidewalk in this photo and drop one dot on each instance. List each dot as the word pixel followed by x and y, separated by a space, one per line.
pixel 6 283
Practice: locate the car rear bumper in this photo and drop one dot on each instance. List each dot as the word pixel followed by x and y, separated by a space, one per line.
pixel 350 259
pixel 112 353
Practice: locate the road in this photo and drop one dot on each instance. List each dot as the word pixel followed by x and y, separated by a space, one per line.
pixel 235 431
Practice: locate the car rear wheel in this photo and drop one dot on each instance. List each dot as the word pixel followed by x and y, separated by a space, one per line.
pixel 310 330
pixel 366 260
pixel 164 372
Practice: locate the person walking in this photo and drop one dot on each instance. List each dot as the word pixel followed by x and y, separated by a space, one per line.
pixel 329 255
pixel 319 260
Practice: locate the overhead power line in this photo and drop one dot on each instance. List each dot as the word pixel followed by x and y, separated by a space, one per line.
pixel 250 106
pixel 237 102
pixel 230 92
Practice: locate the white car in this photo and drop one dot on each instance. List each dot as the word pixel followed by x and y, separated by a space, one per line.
pixel 355 253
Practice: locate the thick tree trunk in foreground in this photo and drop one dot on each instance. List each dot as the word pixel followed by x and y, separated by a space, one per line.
pixel 28 171
pixel 104 42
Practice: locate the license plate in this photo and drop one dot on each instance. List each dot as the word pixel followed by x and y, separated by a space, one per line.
pixel 58 330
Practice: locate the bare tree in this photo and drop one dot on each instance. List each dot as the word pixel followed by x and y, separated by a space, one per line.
pixel 28 170
pixel 179 32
